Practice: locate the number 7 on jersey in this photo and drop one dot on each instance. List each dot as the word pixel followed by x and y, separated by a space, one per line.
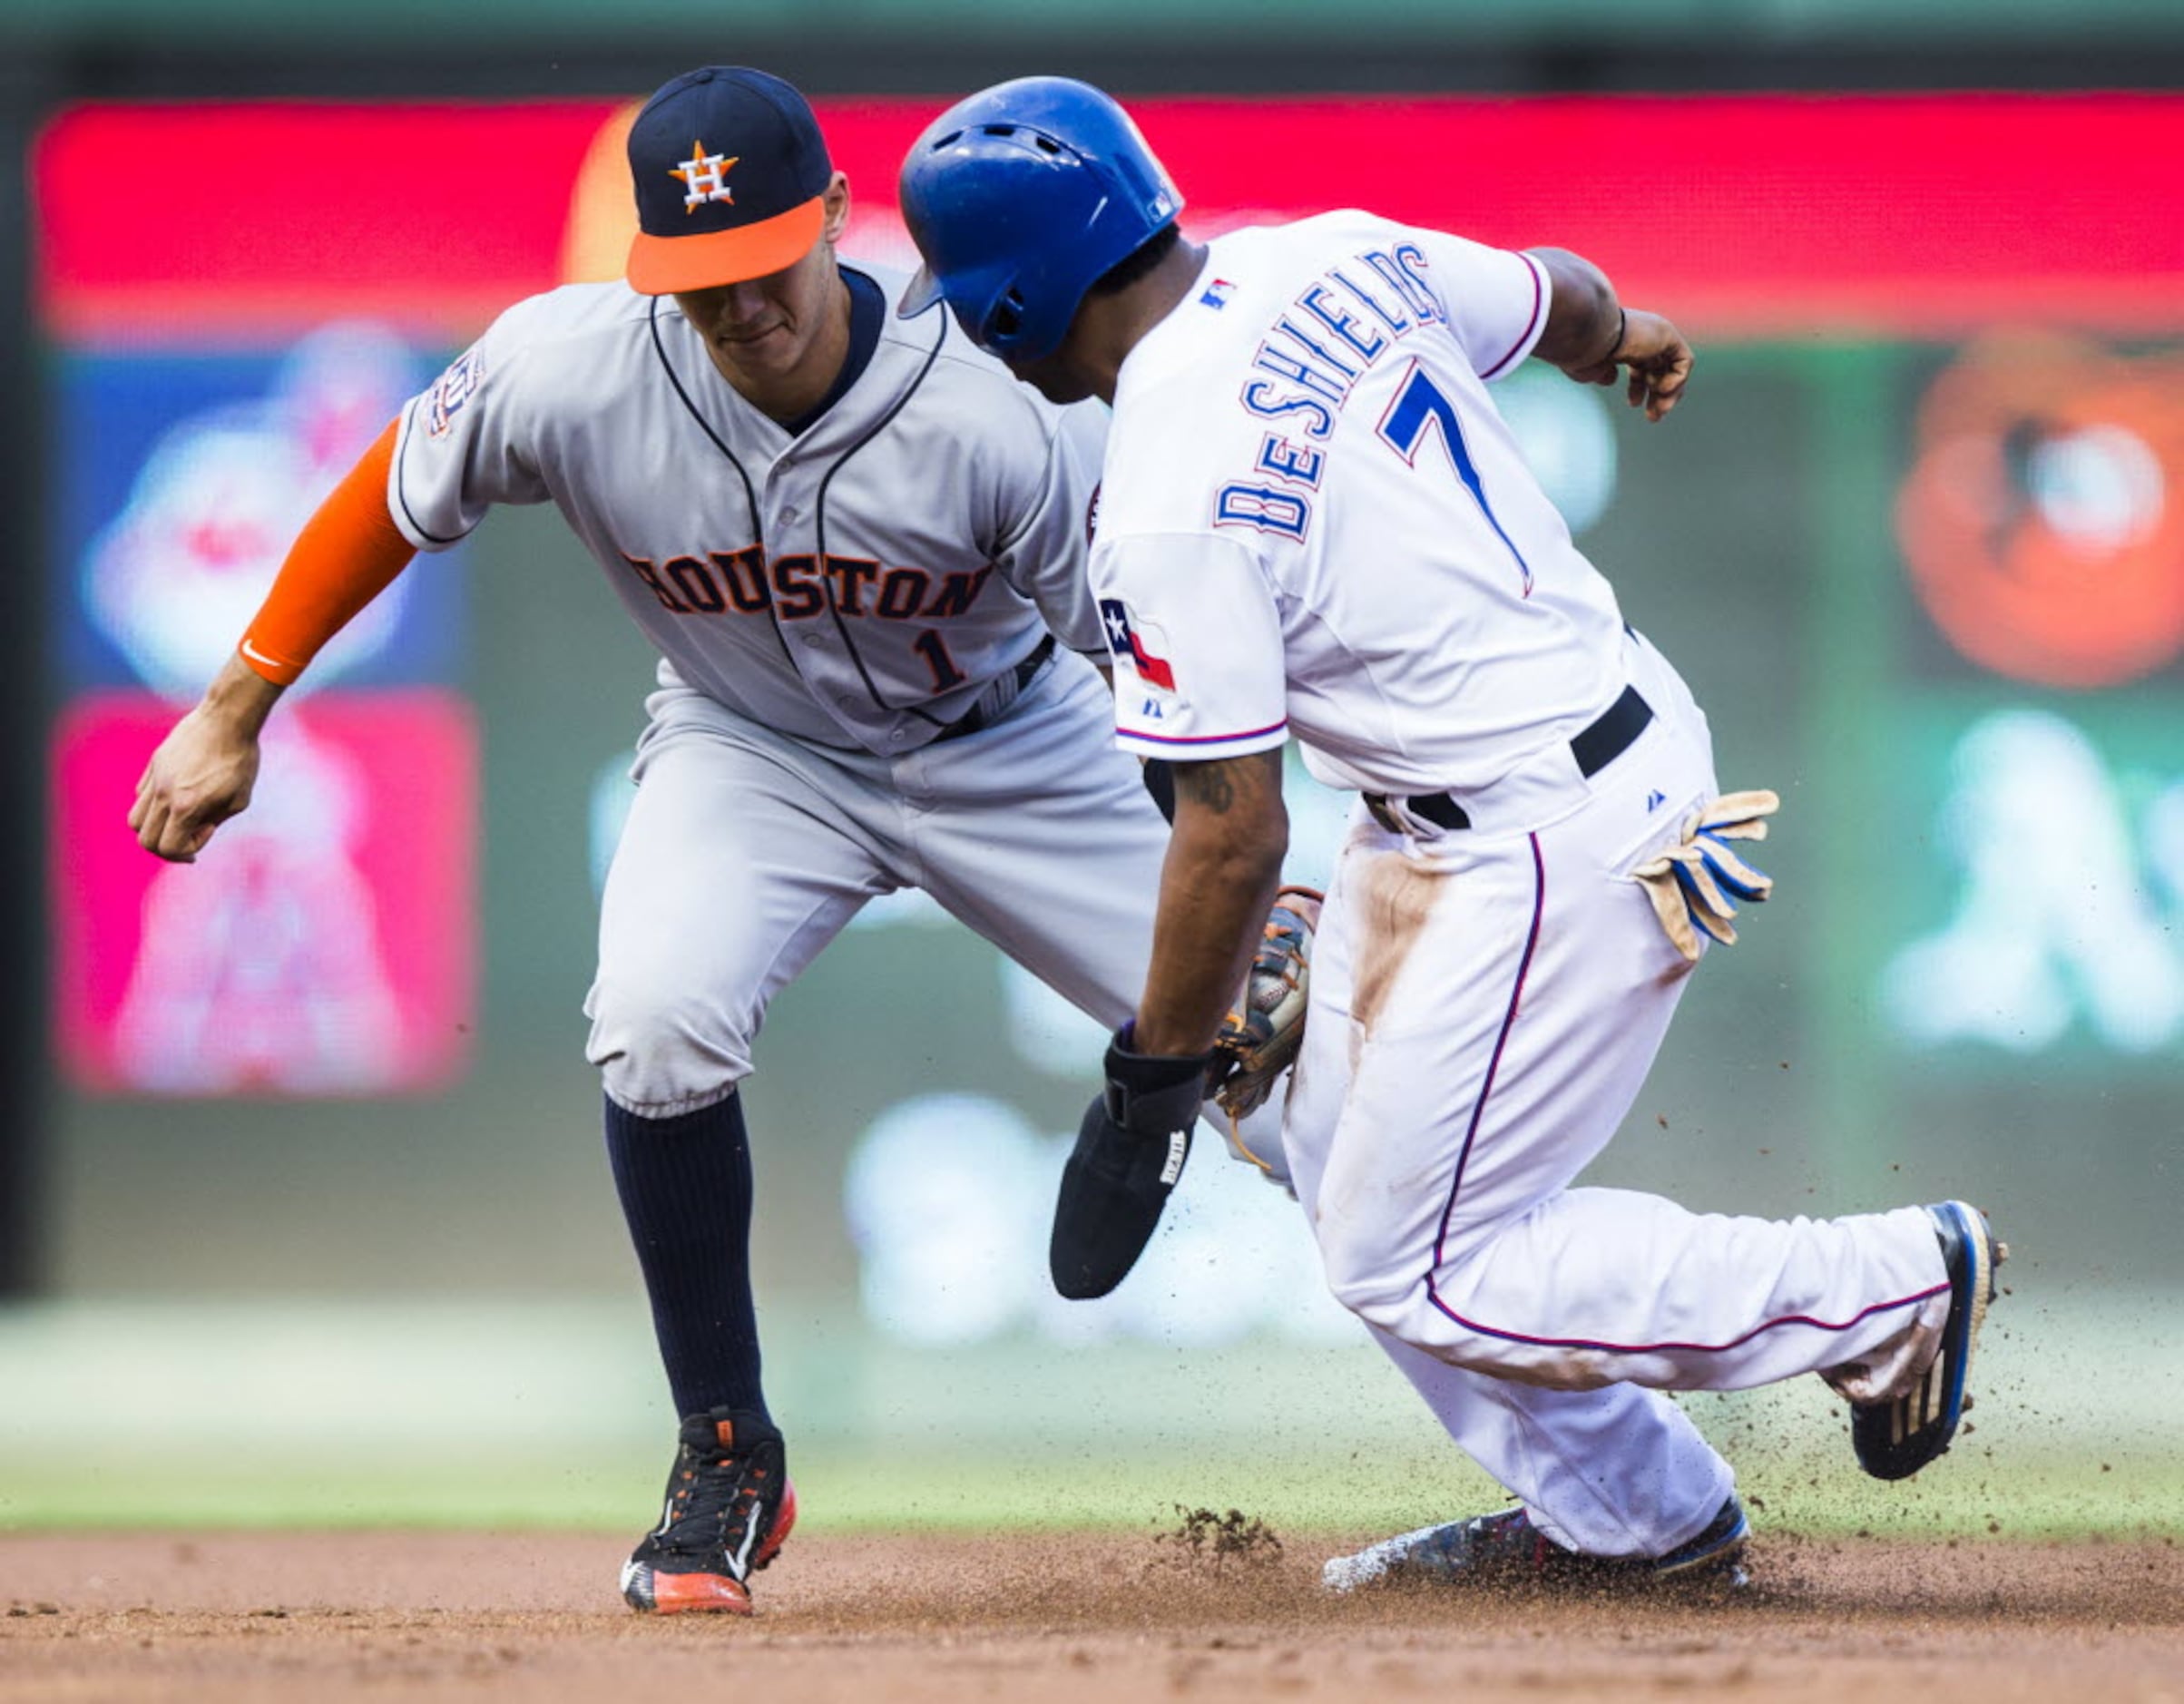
pixel 1419 404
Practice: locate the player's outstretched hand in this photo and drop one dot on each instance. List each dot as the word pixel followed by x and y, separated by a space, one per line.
pixel 204 769
pixel 1658 359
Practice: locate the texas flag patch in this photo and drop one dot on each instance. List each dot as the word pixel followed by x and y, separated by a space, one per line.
pixel 1126 644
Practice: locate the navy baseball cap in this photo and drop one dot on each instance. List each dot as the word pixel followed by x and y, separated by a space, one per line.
pixel 730 167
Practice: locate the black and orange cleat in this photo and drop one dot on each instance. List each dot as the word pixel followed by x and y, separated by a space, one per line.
pixel 729 1507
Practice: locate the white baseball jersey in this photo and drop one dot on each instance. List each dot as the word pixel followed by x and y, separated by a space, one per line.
pixel 1314 521
pixel 865 612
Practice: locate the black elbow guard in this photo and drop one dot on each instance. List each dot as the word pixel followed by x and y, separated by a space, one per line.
pixel 1160 781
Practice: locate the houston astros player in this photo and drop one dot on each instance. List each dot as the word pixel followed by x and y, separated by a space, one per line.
pixel 859 547
pixel 1315 523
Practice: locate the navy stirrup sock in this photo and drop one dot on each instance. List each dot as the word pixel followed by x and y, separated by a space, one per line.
pixel 685 1184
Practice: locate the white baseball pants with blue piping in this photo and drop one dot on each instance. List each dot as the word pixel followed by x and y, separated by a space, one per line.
pixel 1485 1005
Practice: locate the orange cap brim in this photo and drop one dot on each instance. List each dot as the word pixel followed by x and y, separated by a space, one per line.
pixel 660 266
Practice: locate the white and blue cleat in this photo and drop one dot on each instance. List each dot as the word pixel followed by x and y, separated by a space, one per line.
pixel 1503 1550
pixel 1894 1439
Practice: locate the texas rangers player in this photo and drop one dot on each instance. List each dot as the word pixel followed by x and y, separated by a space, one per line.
pixel 856 543
pixel 1315 523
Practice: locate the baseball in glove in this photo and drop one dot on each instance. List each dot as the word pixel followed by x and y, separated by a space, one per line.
pixel 1260 1037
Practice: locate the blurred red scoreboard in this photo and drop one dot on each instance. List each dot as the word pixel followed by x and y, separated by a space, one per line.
pixel 1749 215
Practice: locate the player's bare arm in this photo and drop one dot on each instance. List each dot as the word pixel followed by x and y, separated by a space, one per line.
pixel 1593 336
pixel 1224 860
pixel 1224 863
pixel 204 770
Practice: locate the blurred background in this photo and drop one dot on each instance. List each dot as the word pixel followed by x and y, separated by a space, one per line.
pixel 303 1210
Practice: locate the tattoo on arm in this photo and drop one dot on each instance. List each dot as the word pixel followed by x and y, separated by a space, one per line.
pixel 1225 784
pixel 1207 785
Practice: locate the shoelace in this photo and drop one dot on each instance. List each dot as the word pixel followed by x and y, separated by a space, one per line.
pixel 712 1500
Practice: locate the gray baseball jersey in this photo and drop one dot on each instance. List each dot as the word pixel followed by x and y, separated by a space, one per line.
pixel 825 603
pixel 855 586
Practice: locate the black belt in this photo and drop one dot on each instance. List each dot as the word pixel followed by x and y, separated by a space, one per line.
pixel 990 707
pixel 1594 749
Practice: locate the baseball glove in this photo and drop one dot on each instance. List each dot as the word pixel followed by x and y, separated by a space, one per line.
pixel 1260 1037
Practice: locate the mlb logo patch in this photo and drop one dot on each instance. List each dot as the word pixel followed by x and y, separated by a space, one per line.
pixel 451 391
pixel 1123 639
pixel 1217 294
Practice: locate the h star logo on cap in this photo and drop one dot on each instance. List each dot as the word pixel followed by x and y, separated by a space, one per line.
pixel 702 175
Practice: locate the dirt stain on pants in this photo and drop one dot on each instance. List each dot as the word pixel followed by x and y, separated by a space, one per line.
pixel 1395 898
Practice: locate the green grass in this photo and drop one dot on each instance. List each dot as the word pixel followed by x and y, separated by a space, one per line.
pixel 455 1416
pixel 2017 1495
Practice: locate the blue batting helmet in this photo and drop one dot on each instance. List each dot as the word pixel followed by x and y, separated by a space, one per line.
pixel 1019 198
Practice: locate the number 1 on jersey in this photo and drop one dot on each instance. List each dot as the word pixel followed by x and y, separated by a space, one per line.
pixel 934 649
pixel 1419 405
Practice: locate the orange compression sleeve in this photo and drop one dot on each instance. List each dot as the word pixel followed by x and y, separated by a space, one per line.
pixel 347 555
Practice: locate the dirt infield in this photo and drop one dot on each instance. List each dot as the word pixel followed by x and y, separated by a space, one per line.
pixel 1090 1620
